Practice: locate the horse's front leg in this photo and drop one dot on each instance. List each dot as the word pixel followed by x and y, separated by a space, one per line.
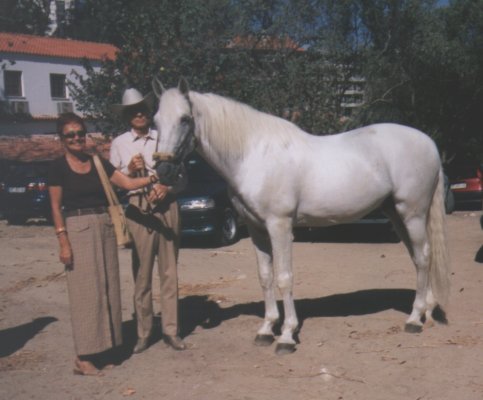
pixel 263 249
pixel 280 231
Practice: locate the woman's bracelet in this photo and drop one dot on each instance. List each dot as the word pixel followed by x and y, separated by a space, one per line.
pixel 60 231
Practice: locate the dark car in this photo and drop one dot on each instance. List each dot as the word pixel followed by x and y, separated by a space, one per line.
pixel 25 193
pixel 467 185
pixel 206 210
pixel 4 166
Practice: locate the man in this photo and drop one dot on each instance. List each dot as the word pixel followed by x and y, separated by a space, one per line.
pixel 152 219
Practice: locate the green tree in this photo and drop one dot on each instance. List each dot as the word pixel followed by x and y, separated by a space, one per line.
pixel 424 69
pixel 172 38
pixel 461 94
pixel 255 51
pixel 421 63
pixel 24 16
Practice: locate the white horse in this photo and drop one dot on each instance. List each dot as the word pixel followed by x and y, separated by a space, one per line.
pixel 282 176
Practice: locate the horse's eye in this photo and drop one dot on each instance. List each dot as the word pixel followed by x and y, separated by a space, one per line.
pixel 185 120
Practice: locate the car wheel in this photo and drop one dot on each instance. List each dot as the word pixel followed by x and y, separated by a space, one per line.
pixel 16 220
pixel 229 227
pixel 49 220
pixel 449 202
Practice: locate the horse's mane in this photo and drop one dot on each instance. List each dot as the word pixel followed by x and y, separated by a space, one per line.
pixel 231 126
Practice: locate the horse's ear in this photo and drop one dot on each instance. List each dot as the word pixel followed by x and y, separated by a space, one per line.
pixel 183 86
pixel 158 87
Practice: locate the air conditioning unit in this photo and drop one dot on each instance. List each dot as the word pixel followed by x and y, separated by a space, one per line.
pixel 19 107
pixel 64 106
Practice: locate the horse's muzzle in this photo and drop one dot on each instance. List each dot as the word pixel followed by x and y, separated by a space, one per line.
pixel 168 172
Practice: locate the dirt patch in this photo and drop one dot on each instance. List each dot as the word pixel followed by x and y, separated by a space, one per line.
pixel 352 298
pixel 23 359
pixel 33 282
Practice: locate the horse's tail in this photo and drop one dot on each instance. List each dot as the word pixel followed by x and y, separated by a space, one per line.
pixel 439 260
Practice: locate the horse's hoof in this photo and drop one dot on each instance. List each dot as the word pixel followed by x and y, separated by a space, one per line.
pixel 264 340
pixel 413 328
pixel 284 348
pixel 439 315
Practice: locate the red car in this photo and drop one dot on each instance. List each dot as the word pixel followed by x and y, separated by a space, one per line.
pixel 467 185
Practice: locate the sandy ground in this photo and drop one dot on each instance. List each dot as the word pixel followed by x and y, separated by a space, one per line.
pixel 354 290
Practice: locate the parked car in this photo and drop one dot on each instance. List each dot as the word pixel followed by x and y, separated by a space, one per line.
pixel 206 210
pixel 25 193
pixel 449 200
pixel 3 171
pixel 466 182
pixel 2 199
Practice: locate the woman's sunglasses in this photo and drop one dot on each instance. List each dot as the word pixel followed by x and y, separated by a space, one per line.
pixel 72 134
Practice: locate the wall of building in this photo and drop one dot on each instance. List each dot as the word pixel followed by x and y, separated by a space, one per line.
pixel 36 72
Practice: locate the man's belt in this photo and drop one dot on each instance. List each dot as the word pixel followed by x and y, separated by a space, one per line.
pixel 85 211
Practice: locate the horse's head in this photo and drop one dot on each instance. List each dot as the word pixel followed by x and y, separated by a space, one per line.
pixel 175 125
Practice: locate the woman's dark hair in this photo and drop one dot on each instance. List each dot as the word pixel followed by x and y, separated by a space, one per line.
pixel 68 118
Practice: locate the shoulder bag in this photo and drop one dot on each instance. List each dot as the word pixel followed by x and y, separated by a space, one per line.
pixel 116 211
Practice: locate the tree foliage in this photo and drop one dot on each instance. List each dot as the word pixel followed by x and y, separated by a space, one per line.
pixel 24 16
pixel 249 50
pixel 423 68
pixel 421 63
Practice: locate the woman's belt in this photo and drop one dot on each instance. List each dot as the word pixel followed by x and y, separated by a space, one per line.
pixel 85 211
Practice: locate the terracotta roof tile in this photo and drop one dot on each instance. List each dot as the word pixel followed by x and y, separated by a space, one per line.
pixel 55 47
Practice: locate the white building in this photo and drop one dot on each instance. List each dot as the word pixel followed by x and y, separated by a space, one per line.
pixel 33 79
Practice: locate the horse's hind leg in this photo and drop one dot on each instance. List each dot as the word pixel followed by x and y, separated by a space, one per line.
pixel 263 250
pixel 419 250
pixel 413 233
pixel 421 256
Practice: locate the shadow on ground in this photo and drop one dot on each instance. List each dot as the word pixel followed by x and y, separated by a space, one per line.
pixel 200 311
pixel 15 338
pixel 479 255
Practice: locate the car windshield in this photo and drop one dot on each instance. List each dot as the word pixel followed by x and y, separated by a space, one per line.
pixel 200 171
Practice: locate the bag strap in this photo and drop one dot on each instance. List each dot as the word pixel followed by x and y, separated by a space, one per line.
pixel 110 194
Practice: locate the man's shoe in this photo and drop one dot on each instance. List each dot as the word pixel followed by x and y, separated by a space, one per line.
pixel 141 345
pixel 175 342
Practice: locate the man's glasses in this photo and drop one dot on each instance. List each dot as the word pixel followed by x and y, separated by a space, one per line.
pixel 132 112
pixel 72 134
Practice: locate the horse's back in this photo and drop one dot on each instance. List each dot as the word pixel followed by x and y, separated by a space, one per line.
pixel 393 139
pixel 347 175
pixel 400 151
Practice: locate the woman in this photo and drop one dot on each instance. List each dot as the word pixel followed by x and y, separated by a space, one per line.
pixel 87 243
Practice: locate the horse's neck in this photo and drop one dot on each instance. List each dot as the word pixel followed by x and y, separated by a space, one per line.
pixel 227 168
pixel 228 131
pixel 213 140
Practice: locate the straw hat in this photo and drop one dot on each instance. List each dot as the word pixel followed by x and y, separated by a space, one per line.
pixel 132 98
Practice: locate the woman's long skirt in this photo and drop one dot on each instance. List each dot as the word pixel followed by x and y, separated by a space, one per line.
pixel 93 284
